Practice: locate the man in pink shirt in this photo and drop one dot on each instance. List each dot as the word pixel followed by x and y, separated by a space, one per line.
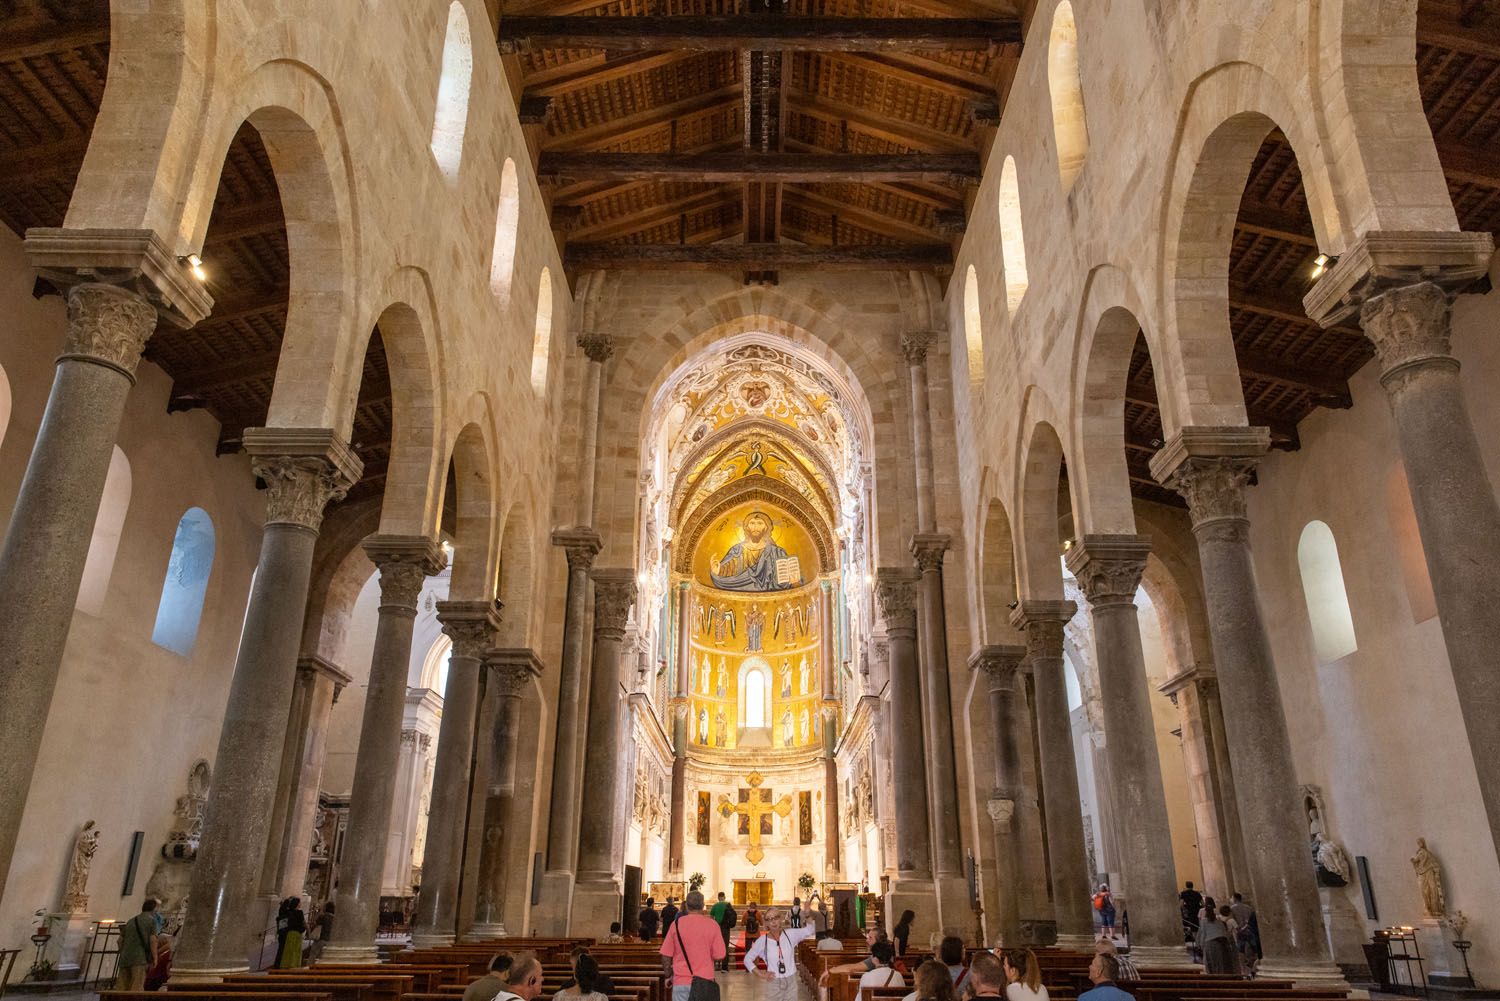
pixel 693 947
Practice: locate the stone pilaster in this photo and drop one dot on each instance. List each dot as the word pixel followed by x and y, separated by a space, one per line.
pixel 597 348
pixel 319 683
pixel 512 671
pixel 1210 468
pixel 405 563
pixel 1215 812
pixel 471 625
pixel 597 894
pixel 119 284
pixel 304 469
pixel 914 345
pixel 581 545
pixel 1019 888
pixel 1108 568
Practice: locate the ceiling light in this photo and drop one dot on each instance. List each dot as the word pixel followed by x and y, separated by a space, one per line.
pixel 1320 265
pixel 195 265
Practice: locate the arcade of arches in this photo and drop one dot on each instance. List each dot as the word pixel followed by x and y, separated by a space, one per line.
pixel 460 471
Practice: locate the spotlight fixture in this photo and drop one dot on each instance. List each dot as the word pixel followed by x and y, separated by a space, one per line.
pixel 1321 264
pixel 1067 544
pixel 195 265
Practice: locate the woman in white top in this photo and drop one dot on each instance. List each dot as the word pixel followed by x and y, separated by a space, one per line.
pixel 777 949
pixel 882 974
pixel 1023 976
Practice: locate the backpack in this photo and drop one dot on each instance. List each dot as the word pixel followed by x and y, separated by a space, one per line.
pixel 1099 901
pixel 731 918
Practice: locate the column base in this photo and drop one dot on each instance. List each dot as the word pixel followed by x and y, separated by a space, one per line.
pixel 597 902
pixel 1038 933
pixel 205 973
pixel 1160 955
pixel 914 893
pixel 955 910
pixel 1076 943
pixel 432 939
pixel 1321 974
pixel 346 952
pixel 483 930
pixel 549 918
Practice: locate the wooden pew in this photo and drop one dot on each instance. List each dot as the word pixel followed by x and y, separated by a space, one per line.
pixel 381 986
pixel 209 992
pixel 278 990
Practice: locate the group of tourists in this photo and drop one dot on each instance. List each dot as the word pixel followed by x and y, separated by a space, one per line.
pixel 1225 938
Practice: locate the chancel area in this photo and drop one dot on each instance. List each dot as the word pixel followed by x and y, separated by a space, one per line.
pixel 977 469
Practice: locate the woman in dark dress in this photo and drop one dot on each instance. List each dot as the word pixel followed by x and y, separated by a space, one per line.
pixel 902 931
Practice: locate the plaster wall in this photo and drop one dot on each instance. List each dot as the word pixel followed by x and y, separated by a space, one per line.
pixel 129 718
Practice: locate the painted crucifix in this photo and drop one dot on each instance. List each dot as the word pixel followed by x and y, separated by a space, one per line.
pixel 755 809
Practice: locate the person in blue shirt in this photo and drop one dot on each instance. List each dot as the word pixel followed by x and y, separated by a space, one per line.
pixel 1102 973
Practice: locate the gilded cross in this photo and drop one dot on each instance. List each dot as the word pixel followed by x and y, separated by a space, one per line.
pixel 757 805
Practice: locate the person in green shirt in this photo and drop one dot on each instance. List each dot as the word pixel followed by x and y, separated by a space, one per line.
pixel 717 910
pixel 137 949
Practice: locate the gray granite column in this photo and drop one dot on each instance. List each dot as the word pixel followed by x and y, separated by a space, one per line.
pixel 581 546
pixel 471 625
pixel 1210 467
pixel 511 673
pixel 597 894
pixel 681 685
pixel 321 683
pixel 833 842
pixel 405 563
pixel 1402 287
pixel 1067 859
pixel 1108 568
pixel 928 549
pixel 1229 812
pixel 303 469
pixel 895 590
pixel 47 540
pixel 1000 665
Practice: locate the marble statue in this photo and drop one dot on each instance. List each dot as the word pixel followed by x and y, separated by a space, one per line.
pixel 172 875
pixel 1429 879
pixel 1331 862
pixel 76 898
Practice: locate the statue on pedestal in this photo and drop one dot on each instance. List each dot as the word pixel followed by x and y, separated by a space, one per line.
pixel 1429 880
pixel 76 898
pixel 1330 861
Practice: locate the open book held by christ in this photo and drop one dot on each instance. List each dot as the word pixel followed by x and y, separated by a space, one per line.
pixel 789 571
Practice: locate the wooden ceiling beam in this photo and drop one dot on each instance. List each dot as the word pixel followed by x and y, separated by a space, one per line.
pixel 54 159
pixel 883 127
pixel 791 168
pixel 48 39
pixel 1470 164
pixel 753 256
pixel 941 83
pixel 899 229
pixel 1277 307
pixel 755 32
pixel 595 70
pixel 1277 223
pixel 643 123
pixel 1327 390
pixel 611 229
pixel 254 219
pixel 1283 431
pixel 1439 25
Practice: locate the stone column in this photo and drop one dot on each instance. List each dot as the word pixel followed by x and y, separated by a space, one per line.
pixel 1213 801
pixel 471 625
pixel 1000 665
pixel 597 348
pixel 681 685
pixel 47 540
pixel 1402 286
pixel 598 894
pixel 1108 568
pixel 833 853
pixel 1042 623
pixel 405 563
pixel 1210 468
pixel 1232 831
pixel 511 672
pixel 581 546
pixel 914 346
pixel 895 590
pixel 319 683
pixel 303 469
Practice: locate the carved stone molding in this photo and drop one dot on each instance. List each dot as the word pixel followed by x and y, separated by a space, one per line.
pixel 1109 567
pixel 614 594
pixel 109 326
pixel 1386 260
pixel 471 625
pixel 1001 811
pixel 999 663
pixel 914 345
pixel 927 548
pixel 895 590
pixel 580 544
pixel 134 260
pixel 405 563
pixel 597 346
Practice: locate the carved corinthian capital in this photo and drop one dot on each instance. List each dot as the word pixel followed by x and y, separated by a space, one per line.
pixel 927 548
pixel 471 625
pixel 999 664
pixel 108 325
pixel 895 590
pixel 298 489
pixel 614 594
pixel 1409 324
pixel 1210 467
pixel 914 345
pixel 1109 567
pixel 512 668
pixel 405 563
pixel 597 346
pixel 581 546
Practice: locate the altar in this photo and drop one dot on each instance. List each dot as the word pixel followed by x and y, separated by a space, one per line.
pixel 753 891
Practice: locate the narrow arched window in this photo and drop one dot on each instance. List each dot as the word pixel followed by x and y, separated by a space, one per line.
pixel 108 525
pixel 1012 240
pixel 452 113
pixel 4 405
pixel 755 699
pixel 1069 130
pixel 507 218
pixel 181 606
pixel 1323 590
pixel 973 326
pixel 541 342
